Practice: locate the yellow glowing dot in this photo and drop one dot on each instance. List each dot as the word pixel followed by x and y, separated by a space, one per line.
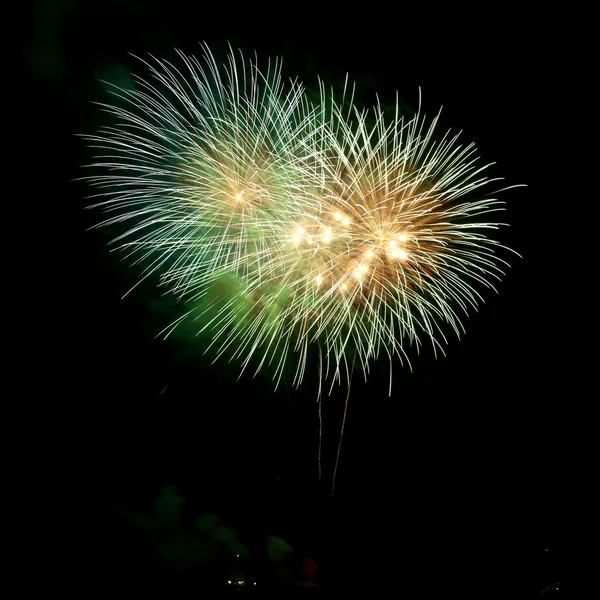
pixel 369 254
pixel 296 238
pixel 326 239
pixel 402 237
pixel 319 279
pixel 344 286
pixel 392 244
pixel 239 196
pixel 337 216
pixel 363 268
pixel 400 254
pixel 346 221
pixel 309 239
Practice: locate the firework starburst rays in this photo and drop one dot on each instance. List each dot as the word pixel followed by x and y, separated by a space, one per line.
pixel 289 224
pixel 415 250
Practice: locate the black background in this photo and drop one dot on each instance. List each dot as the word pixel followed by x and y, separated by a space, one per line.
pixel 461 478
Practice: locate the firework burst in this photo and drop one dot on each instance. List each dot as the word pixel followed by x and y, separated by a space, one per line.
pixel 351 231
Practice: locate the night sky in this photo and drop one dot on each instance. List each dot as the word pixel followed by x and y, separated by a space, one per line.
pixel 458 481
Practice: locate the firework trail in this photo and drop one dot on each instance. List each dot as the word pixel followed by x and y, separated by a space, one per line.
pixel 292 224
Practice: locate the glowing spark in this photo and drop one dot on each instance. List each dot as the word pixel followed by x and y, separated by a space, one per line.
pixel 401 254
